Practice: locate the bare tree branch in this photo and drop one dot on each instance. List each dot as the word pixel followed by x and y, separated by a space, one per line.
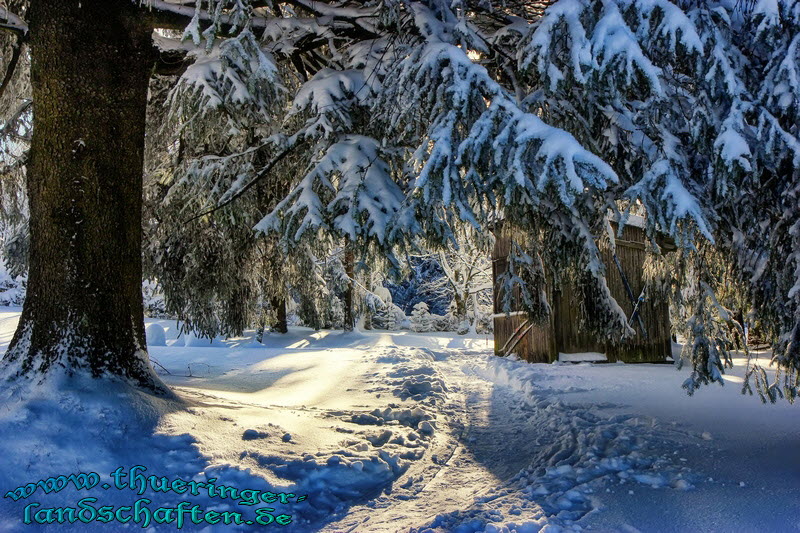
pixel 175 15
pixel 261 175
pixel 11 123
pixel 12 64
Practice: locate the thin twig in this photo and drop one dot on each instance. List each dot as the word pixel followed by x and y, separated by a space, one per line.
pixel 159 365
pixel 261 175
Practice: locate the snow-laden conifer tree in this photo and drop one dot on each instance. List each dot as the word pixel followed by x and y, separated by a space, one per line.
pixel 694 105
pixel 395 133
pixel 421 319
pixel 551 116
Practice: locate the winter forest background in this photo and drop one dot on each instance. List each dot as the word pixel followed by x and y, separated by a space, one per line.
pixel 255 167
pixel 317 154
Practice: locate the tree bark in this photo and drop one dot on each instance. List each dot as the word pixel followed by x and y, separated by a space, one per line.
pixel 460 300
pixel 91 62
pixel 349 300
pixel 280 325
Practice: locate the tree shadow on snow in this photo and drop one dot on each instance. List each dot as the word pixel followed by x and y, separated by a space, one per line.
pixel 84 425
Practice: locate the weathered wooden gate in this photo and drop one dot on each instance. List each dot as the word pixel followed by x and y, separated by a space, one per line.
pixel 514 333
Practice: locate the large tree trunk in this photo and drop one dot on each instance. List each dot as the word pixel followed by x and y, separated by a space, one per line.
pixel 90 69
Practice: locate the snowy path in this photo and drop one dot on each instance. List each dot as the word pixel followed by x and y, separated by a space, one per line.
pixel 467 465
pixel 421 432
pixel 461 463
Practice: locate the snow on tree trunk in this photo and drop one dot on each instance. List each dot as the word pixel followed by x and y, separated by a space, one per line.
pixel 90 68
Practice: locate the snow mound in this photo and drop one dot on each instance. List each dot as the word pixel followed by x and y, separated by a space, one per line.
pixel 77 424
pixel 156 336
pixel 253 434
pixel 192 340
pixel 336 482
pixel 413 377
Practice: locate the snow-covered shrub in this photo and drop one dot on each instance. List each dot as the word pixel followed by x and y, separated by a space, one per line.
pixel 12 288
pixel 334 312
pixel 421 319
pixel 390 318
pixel 446 322
pixel 485 324
pixel 154 305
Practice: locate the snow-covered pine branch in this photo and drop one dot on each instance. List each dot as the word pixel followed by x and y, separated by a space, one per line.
pixel 233 85
pixel 348 190
pixel 690 103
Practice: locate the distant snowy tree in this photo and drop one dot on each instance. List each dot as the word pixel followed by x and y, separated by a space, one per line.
pixel 466 281
pixel 15 136
pixel 12 288
pixel 421 319
pixel 390 317
pixel 414 281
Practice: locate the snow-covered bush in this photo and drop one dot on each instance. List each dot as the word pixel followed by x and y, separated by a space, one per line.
pixel 446 322
pixel 485 324
pixel 421 319
pixel 154 304
pixel 462 328
pixel 390 318
pixel 12 288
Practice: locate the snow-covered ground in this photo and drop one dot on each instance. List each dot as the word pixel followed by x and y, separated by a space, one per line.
pixel 396 431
